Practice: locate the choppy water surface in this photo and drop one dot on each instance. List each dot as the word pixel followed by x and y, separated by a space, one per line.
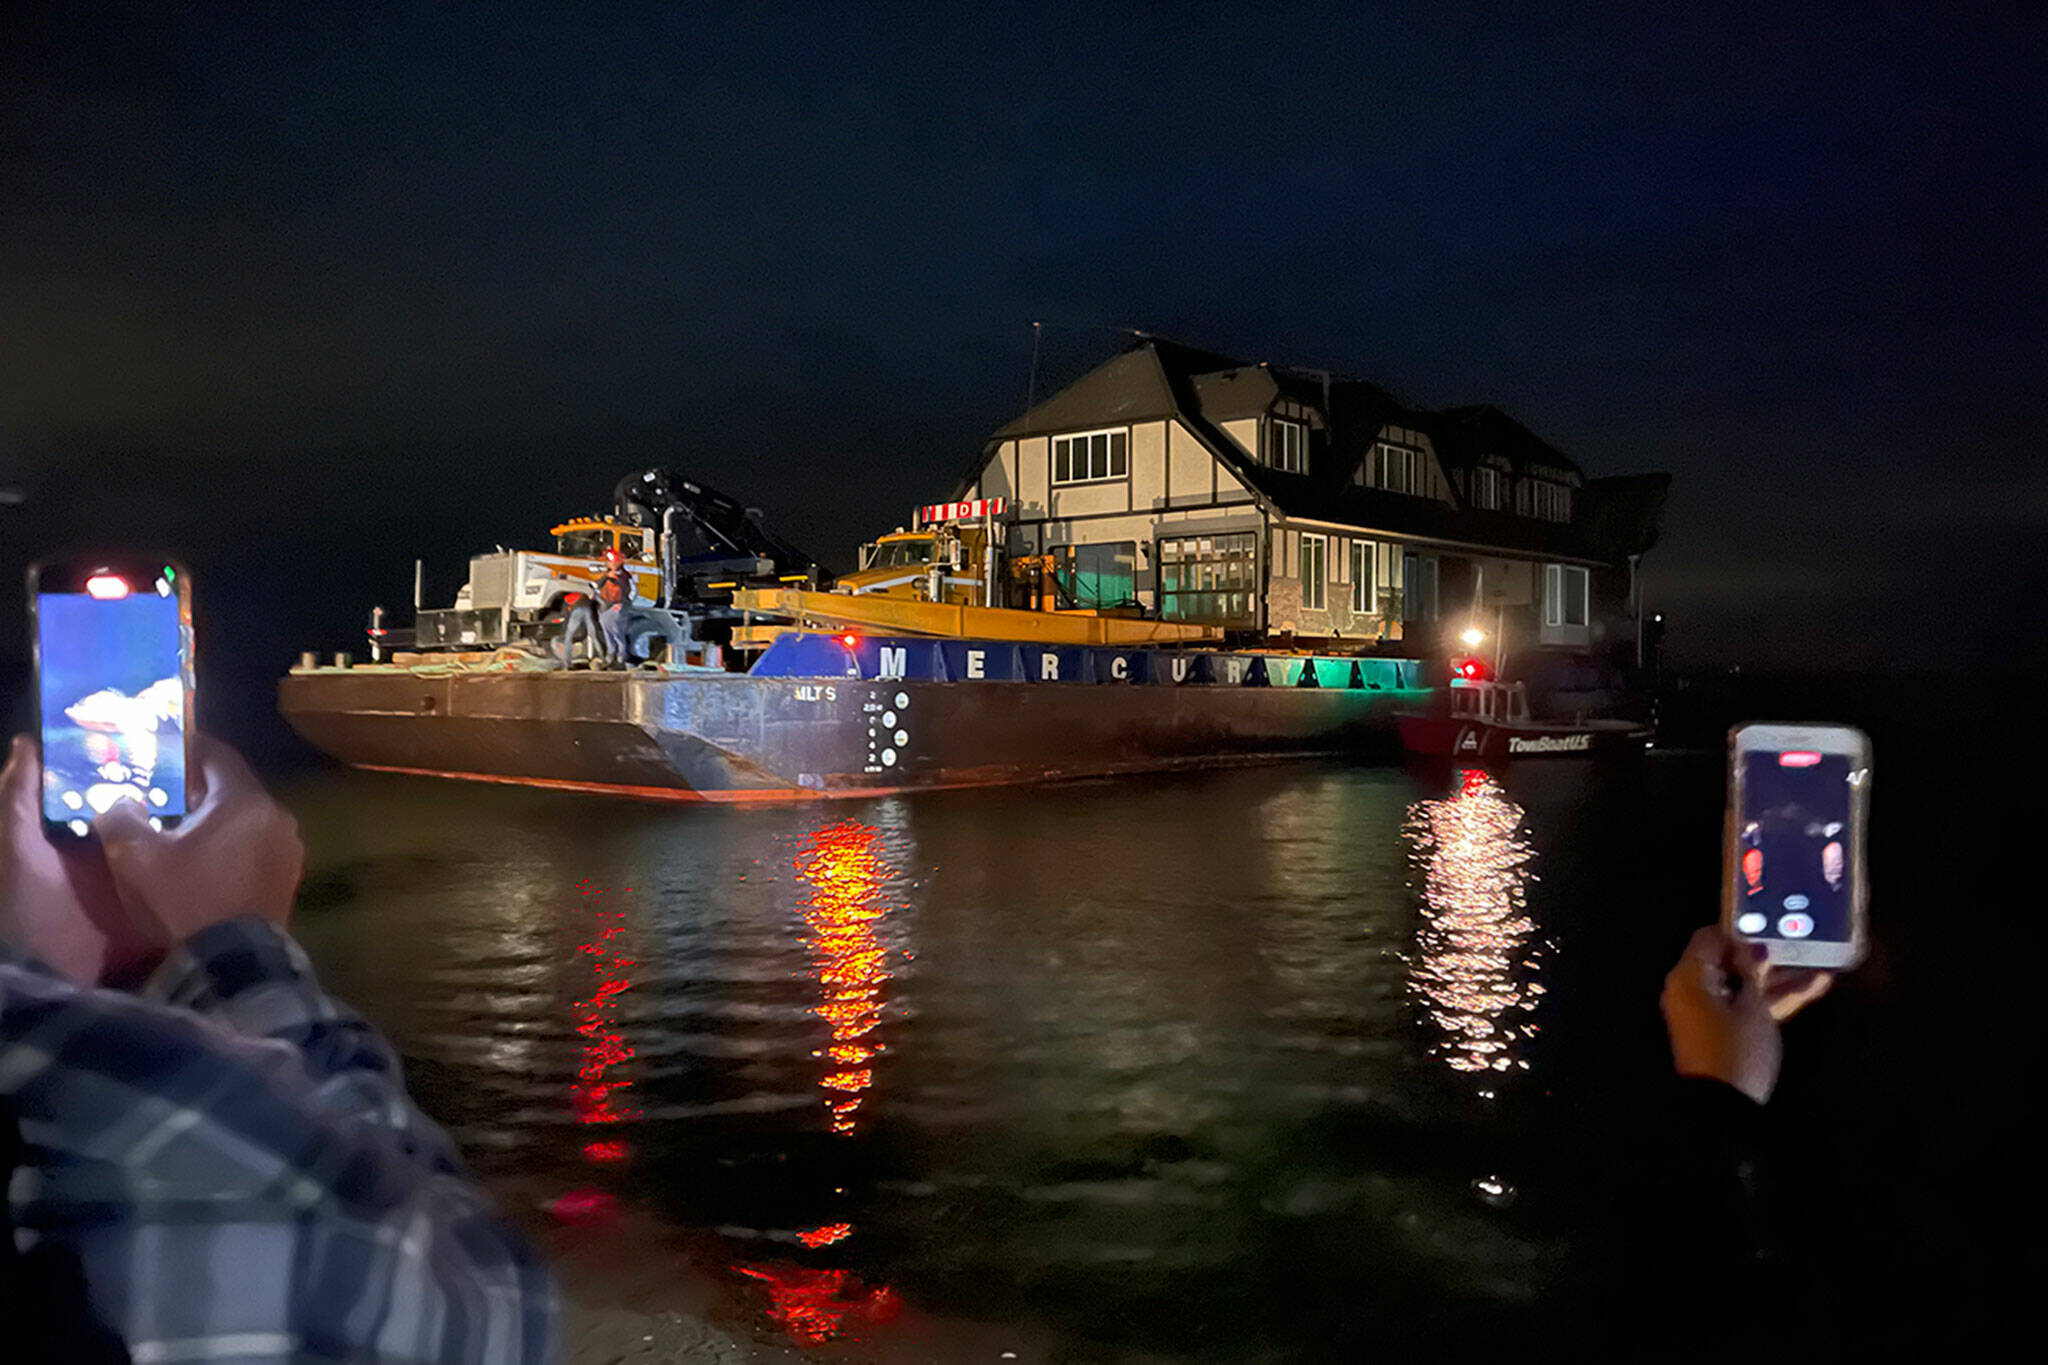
pixel 1263 1064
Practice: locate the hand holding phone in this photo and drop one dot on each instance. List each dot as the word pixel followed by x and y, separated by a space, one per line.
pixel 1798 802
pixel 1722 1007
pixel 238 854
pixel 58 904
pixel 114 683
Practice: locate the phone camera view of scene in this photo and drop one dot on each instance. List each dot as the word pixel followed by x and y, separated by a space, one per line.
pixel 113 704
pixel 1793 846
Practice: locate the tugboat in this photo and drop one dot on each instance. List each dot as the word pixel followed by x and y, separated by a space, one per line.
pixel 1479 719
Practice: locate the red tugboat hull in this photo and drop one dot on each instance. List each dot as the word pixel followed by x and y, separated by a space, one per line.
pixel 1471 739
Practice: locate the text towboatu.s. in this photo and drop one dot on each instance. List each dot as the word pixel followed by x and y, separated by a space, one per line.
pixel 1477 719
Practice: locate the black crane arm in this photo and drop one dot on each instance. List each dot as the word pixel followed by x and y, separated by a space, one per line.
pixel 727 526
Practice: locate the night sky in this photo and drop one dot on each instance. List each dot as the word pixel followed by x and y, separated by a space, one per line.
pixel 303 291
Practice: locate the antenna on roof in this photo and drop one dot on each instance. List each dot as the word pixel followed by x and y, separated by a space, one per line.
pixel 1031 383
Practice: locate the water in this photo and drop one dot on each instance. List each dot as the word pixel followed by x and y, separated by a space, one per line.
pixel 1271 1064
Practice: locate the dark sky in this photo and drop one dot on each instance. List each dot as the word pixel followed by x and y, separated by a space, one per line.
pixel 307 290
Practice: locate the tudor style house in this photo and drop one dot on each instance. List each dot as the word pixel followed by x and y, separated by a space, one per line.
pixel 1304 509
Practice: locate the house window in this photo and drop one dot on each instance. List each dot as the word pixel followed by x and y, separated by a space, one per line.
pixel 1289 446
pixel 1566 595
pixel 1544 500
pixel 1398 469
pixel 1095 576
pixel 1091 456
pixel 1315 572
pixel 1486 488
pixel 1210 579
pixel 1419 574
pixel 1364 598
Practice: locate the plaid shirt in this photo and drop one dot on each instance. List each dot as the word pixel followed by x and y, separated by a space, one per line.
pixel 227 1167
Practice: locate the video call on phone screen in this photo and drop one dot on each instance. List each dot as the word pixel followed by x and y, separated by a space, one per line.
pixel 113 704
pixel 1793 846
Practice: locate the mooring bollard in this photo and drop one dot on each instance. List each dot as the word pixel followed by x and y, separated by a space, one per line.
pixel 342 659
pixel 309 659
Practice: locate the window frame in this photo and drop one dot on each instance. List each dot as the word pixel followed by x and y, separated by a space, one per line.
pixel 1322 580
pixel 1113 438
pixel 1278 448
pixel 1374 473
pixel 1364 555
pixel 1556 577
pixel 1219 569
pixel 1543 499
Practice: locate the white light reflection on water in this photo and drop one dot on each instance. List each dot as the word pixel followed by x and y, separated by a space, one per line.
pixel 1474 960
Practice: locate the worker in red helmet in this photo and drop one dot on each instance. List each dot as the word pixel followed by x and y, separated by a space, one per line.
pixel 614 598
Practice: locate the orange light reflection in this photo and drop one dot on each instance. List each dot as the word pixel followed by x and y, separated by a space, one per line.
pixel 843 868
pixel 1472 970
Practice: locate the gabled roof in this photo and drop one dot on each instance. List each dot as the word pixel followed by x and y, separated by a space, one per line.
pixel 1129 388
pixel 1464 435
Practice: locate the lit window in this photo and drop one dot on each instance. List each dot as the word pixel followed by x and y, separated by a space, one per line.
pixel 1213 579
pixel 1315 572
pixel 1091 456
pixel 1290 446
pixel 1566 595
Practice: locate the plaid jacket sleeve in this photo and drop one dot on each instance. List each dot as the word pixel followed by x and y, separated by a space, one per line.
pixel 235 1171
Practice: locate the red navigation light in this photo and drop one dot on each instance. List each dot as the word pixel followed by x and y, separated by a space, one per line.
pixel 1798 758
pixel 1472 669
pixel 106 587
pixel 849 639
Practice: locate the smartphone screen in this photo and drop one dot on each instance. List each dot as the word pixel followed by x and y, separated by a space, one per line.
pixel 113 681
pixel 1795 845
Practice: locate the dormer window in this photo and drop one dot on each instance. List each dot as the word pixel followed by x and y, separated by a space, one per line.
pixel 1398 469
pixel 1544 500
pixel 1288 448
pixel 1486 488
pixel 1091 456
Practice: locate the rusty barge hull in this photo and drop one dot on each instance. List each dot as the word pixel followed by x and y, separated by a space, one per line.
pixel 804 731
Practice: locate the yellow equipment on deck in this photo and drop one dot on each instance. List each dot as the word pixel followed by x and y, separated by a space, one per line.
pixel 802 609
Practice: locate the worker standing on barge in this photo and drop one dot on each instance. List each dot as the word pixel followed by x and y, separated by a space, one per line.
pixel 614 599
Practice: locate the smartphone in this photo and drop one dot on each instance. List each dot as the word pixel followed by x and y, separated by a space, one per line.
pixel 114 683
pixel 1799 803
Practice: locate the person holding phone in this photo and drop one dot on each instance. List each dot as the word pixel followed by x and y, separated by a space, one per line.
pixel 212 1157
pixel 1793 909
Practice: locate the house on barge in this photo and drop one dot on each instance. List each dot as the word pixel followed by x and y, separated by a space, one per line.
pixel 1305 510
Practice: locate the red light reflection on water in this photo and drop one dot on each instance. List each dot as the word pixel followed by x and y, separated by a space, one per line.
pixel 814 1306
pixel 827 1235
pixel 1473 963
pixel 595 1099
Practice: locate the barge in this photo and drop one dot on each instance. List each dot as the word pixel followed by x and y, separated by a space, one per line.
pixel 825 715
pixel 1179 560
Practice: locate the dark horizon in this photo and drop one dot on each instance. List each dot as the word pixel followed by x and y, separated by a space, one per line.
pixel 305 295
